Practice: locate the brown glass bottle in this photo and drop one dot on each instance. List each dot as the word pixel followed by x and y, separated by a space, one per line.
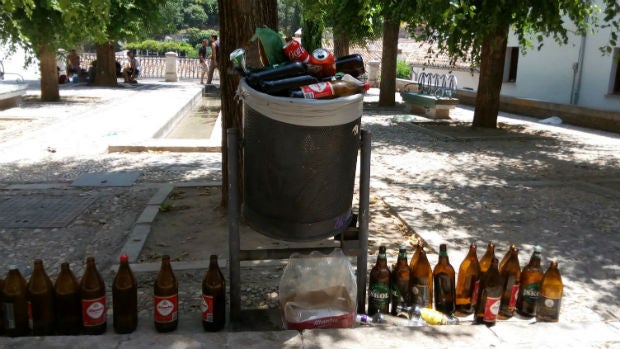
pixel 421 282
pixel 14 299
pixel 379 285
pixel 351 64
pixel 124 298
pixel 484 264
pixel 529 287
pixel 469 272
pixel 511 278
pixel 489 296
pixel 92 293
pixel 444 283
pixel 506 256
pixel 414 258
pixel 1 307
pixel 213 304
pixel 68 302
pixel 550 298
pixel 41 299
pixel 400 280
pixel 166 298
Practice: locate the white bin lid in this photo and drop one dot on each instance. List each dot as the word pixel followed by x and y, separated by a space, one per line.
pixel 303 112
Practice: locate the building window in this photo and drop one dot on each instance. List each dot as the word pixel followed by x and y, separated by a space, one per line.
pixel 616 72
pixel 511 63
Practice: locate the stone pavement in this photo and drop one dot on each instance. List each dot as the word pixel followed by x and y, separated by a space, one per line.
pixel 528 183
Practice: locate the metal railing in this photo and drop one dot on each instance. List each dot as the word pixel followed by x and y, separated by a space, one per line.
pixel 439 85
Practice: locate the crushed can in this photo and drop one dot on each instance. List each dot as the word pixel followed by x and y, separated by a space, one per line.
pixel 324 63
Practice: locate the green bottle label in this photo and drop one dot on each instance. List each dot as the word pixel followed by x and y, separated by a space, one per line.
pixel 531 292
pixel 379 295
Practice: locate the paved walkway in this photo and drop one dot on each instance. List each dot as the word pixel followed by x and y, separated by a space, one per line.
pixel 528 183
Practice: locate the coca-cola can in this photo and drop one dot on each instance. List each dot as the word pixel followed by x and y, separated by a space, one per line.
pixel 296 52
pixel 326 62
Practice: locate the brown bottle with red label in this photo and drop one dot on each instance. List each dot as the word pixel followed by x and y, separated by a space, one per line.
pixel 68 302
pixel 469 273
pixel 14 299
pixel 166 298
pixel 92 292
pixel 124 298
pixel 489 296
pixel 41 301
pixel 213 302
pixel 484 264
pixel 510 273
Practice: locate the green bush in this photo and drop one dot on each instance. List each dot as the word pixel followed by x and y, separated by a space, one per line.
pixel 152 46
pixel 403 70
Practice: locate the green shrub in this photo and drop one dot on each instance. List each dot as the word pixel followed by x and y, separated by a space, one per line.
pixel 403 70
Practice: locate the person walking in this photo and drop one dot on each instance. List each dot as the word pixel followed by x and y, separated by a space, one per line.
pixel 202 54
pixel 215 55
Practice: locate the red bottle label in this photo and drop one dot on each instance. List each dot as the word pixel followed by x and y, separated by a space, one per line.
pixel 316 91
pixel 491 308
pixel 166 308
pixel 474 295
pixel 513 297
pixel 93 311
pixel 206 306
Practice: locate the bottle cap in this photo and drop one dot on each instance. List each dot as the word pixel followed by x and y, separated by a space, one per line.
pixel 366 85
pixel 124 258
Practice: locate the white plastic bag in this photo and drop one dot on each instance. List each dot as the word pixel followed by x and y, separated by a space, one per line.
pixel 318 291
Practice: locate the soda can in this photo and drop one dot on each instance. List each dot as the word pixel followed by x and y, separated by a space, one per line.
pixel 237 57
pixel 324 60
pixel 296 52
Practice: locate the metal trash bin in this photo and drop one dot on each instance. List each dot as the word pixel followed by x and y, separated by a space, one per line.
pixel 299 161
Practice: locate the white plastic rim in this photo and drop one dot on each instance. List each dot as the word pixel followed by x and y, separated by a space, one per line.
pixel 300 111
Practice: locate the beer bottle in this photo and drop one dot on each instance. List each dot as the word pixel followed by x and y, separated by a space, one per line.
pixel 550 298
pixel 41 301
pixel 285 85
pixel 213 304
pixel 400 280
pixel 92 292
pixel 506 256
pixel 331 89
pixel 421 282
pixel 14 299
pixel 166 298
pixel 511 277
pixel 489 296
pixel 485 263
pixel 379 285
pixel 124 298
pixel 285 71
pixel 469 272
pixel 531 276
pixel 67 301
pixel 352 64
pixel 444 283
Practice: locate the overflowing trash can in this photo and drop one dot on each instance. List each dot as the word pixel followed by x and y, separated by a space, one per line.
pixel 299 163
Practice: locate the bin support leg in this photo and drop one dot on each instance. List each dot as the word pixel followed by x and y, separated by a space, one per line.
pixel 362 257
pixel 234 244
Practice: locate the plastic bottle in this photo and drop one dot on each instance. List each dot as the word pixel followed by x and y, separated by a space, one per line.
pixel 444 283
pixel 124 298
pixel 529 290
pixel 67 302
pixel 550 298
pixel 331 89
pixel 379 285
pixel 510 274
pixel 469 272
pixel 15 304
pixel 400 280
pixel 41 301
pixel 213 304
pixel 92 291
pixel 166 298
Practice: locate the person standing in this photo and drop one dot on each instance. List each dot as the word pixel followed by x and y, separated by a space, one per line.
pixel 73 64
pixel 215 55
pixel 202 54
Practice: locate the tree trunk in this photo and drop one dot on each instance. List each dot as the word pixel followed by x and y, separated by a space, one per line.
pixel 341 44
pixel 492 57
pixel 49 75
pixel 387 85
pixel 105 70
pixel 238 22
